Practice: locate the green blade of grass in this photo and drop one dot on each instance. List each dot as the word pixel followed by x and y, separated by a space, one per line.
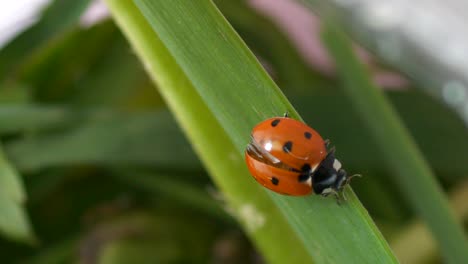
pixel 14 223
pixel 250 205
pixel 10 181
pixel 411 172
pixel 21 118
pixel 218 92
pixel 146 139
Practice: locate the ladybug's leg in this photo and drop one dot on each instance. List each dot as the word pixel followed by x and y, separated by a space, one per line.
pixel 343 195
pixel 339 198
pixel 334 193
pixel 286 114
pixel 327 143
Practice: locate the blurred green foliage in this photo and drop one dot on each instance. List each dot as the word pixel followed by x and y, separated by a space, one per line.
pixel 108 176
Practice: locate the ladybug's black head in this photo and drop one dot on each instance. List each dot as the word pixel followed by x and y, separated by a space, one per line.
pixel 329 177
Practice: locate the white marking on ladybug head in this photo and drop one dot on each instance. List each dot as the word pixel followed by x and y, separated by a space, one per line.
pixel 337 165
pixel 268 146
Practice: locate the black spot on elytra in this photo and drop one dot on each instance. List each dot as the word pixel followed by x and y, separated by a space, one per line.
pixel 275 122
pixel 305 167
pixel 303 177
pixel 287 147
pixel 307 135
pixel 274 180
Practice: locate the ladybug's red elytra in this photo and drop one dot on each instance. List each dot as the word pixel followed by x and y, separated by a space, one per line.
pixel 289 157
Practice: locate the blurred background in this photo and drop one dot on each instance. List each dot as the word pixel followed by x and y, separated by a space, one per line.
pixel 94 169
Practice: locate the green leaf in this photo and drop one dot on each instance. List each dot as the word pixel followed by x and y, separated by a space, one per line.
pixel 107 138
pixel 10 183
pixel 14 223
pixel 410 170
pixel 26 118
pixel 218 92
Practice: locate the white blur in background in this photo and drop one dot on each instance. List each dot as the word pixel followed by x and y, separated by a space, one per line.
pixel 15 16
pixel 18 15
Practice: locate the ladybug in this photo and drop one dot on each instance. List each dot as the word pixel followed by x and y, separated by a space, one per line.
pixel 289 157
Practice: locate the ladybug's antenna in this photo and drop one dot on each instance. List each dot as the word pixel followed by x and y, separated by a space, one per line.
pixel 348 180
